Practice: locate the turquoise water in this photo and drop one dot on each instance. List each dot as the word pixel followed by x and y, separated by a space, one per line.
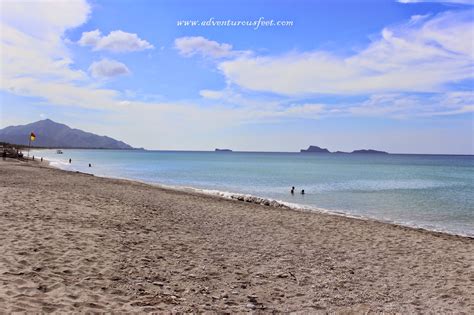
pixel 429 191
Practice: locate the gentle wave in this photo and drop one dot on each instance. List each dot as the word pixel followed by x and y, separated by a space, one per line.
pixel 378 185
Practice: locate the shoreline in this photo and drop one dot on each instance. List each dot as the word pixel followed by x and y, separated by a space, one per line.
pixel 270 202
pixel 278 204
pixel 74 242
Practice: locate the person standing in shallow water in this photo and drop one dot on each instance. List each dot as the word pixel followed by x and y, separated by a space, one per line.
pixel 292 190
pixel 70 161
pixel 302 191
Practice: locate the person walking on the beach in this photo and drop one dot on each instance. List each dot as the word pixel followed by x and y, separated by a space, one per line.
pixel 292 190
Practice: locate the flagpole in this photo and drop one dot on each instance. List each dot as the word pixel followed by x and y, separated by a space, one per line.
pixel 29 145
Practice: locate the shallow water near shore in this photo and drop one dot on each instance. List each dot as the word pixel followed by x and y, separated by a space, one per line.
pixel 434 192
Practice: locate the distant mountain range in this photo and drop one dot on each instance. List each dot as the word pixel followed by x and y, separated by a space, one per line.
pixel 55 135
pixel 316 149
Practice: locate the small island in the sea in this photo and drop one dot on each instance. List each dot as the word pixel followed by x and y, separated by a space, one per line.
pixel 368 151
pixel 316 149
pixel 223 150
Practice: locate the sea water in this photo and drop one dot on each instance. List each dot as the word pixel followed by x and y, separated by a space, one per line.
pixel 434 192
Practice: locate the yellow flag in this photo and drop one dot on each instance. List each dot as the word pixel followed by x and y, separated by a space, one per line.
pixel 32 137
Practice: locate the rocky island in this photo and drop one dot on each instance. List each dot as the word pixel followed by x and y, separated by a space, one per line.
pixel 369 151
pixel 316 149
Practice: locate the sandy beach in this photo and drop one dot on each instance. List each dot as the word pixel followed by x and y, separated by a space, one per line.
pixel 75 242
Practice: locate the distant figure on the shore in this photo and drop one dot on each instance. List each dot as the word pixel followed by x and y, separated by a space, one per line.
pixel 4 155
pixel 41 159
pixel 90 165
pixel 70 161
pixel 33 157
pixel 302 191
pixel 292 190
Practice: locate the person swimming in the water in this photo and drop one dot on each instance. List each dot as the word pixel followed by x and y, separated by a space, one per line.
pixel 292 190
pixel 302 191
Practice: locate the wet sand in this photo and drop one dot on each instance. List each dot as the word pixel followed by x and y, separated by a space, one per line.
pixel 75 242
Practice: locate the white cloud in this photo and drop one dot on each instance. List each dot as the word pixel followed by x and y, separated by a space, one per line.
pixel 420 56
pixel 35 59
pixel 107 68
pixel 117 41
pixel 386 105
pixel 463 110
pixel 63 93
pixel 198 45
pixel 306 110
pixel 31 43
pixel 457 99
pixel 284 112
pixel 259 109
pixel 91 38
pixel 404 106
pixel 212 94
pixel 44 19
pixel 23 54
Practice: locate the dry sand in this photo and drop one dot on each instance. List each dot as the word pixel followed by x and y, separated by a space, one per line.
pixel 73 242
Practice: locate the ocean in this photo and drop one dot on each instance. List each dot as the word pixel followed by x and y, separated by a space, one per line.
pixel 434 192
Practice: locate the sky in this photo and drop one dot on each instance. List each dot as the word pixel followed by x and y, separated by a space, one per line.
pixel 246 75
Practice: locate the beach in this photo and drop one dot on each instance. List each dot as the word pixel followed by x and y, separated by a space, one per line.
pixel 76 242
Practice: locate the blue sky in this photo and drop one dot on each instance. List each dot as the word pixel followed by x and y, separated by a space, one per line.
pixel 344 75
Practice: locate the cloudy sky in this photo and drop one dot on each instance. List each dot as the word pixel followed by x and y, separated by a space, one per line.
pixel 343 74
